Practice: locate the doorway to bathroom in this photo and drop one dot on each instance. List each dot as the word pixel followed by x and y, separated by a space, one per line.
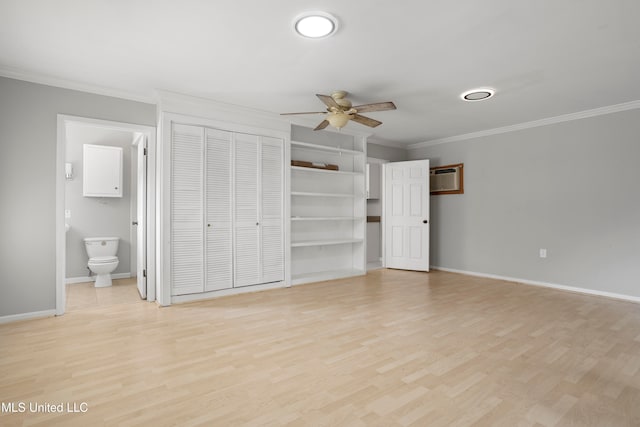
pixel 105 206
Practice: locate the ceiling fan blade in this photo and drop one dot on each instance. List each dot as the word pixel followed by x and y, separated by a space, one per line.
pixel 329 101
pixel 309 112
pixel 367 121
pixel 323 124
pixel 378 106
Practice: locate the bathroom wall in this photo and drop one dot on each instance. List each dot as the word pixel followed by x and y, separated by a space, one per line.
pixel 28 133
pixel 97 216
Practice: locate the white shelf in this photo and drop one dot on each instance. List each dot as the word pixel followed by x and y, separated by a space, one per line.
pixel 298 279
pixel 306 193
pixel 327 218
pixel 316 170
pixel 317 147
pixel 324 242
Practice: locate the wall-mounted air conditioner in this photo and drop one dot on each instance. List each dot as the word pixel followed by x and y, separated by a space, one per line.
pixel 446 179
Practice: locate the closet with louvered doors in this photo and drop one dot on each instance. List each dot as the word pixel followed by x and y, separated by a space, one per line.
pixel 226 209
pixel 259 230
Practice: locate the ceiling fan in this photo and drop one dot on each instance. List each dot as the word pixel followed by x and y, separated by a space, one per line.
pixel 340 111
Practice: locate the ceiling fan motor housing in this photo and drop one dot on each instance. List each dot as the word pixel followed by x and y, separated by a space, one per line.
pixel 341 100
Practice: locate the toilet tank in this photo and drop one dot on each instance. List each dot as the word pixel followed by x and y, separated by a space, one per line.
pixel 101 246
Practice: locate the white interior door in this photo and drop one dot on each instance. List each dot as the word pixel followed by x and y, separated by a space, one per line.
pixel 186 209
pixel 406 215
pixel 141 215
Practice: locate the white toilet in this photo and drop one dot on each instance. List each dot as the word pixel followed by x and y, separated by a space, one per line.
pixel 102 258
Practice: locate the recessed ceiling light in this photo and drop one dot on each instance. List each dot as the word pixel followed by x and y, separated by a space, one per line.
pixel 479 94
pixel 315 25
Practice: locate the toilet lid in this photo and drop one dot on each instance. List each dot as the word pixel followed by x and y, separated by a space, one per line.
pixel 103 259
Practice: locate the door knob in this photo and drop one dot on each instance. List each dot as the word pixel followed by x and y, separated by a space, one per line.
pixel 134 223
pixel 426 221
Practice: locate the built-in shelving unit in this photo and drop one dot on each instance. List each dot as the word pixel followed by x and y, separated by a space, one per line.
pixel 328 207
pixel 324 242
pixel 326 218
pixel 312 194
pixel 313 170
pixel 325 275
pixel 316 147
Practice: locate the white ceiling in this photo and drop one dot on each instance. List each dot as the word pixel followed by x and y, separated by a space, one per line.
pixel 544 57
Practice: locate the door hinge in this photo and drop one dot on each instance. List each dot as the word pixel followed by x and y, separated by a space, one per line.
pixel 145 151
pixel 144 273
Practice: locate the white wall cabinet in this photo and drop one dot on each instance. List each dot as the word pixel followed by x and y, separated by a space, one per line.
pixel 328 207
pixel 101 171
pixel 226 209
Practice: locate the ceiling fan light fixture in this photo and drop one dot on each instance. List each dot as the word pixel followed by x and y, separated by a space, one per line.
pixel 479 94
pixel 338 119
pixel 315 25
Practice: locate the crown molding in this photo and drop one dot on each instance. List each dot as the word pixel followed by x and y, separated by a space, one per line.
pixel 47 80
pixel 392 144
pixel 221 112
pixel 168 100
pixel 631 105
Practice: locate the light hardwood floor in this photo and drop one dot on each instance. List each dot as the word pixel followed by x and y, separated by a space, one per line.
pixel 86 295
pixel 393 348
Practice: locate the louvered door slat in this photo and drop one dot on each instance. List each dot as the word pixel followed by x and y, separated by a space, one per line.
pixel 219 244
pixel 271 239
pixel 247 257
pixel 246 178
pixel 247 250
pixel 272 253
pixel 186 210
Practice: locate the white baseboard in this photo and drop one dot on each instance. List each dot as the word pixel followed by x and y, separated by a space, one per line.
pixel 374 265
pixel 74 280
pixel 178 299
pixel 26 316
pixel 543 284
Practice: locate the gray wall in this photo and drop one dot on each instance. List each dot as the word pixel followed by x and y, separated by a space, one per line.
pixel 387 153
pixel 570 187
pixel 97 216
pixel 28 122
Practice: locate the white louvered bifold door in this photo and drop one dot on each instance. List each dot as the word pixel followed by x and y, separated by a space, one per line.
pixel 218 231
pixel 247 262
pixel 186 243
pixel 271 224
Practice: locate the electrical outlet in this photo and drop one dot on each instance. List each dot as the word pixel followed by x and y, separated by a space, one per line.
pixel 543 253
pixel 67 213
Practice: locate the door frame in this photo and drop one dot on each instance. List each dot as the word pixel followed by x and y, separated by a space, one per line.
pixel 140 144
pixel 63 121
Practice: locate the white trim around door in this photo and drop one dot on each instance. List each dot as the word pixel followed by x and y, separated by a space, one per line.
pixel 150 133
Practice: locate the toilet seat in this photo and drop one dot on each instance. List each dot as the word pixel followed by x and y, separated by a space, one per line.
pixel 103 259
